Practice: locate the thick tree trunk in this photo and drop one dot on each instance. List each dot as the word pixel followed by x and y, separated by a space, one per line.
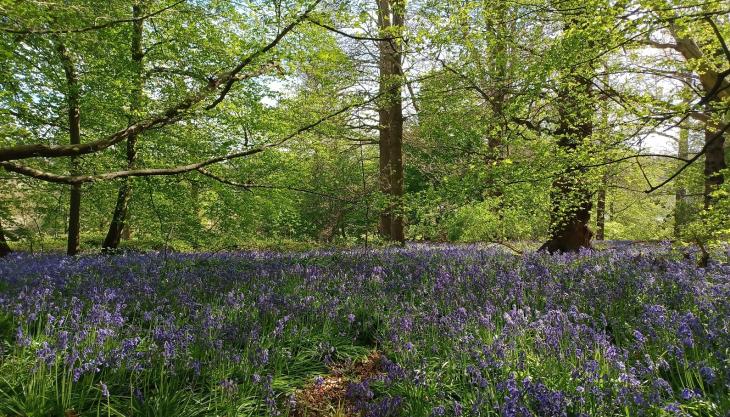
pixel 396 130
pixel 384 116
pixel 74 123
pixel 384 173
pixel 118 225
pixel 570 197
pixel 571 212
pixel 4 247
pixel 495 139
pixel 396 176
pixel 714 163
pixel 681 205
pixel 390 115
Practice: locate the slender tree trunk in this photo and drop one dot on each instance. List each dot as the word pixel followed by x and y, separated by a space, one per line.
pixel 119 225
pixel 601 210
pixel 334 222
pixel 74 123
pixel 714 163
pixel 680 204
pixel 74 221
pixel 4 247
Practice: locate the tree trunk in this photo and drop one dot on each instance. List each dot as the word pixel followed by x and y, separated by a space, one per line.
pixel 118 225
pixel 681 204
pixel 384 116
pixel 4 247
pixel 396 129
pixel 390 116
pixel 601 210
pixel 74 123
pixel 570 197
pixel 495 139
pixel 334 221
pixel 571 212
pixel 74 221
pixel 714 163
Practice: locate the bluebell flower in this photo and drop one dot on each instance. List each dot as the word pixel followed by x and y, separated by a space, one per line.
pixel 687 394
pixel 438 411
pixel 707 374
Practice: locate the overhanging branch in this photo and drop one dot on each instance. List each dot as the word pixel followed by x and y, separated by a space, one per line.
pixel 80 179
pixel 37 31
pixel 169 116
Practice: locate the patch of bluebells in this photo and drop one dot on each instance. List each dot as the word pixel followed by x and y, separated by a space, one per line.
pixel 464 330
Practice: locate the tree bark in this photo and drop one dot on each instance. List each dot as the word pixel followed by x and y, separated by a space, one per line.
pixel 74 123
pixel 390 118
pixel 681 204
pixel 714 163
pixel 119 223
pixel 4 247
pixel 396 128
pixel 717 87
pixel 570 197
pixel 601 210
pixel 571 212
pixel 499 99
pixel 384 116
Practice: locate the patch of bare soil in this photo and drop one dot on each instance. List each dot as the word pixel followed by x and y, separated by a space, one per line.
pixel 327 397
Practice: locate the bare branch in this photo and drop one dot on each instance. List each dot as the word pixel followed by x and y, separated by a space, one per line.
pixel 250 186
pixel 660 45
pixel 691 160
pixel 719 36
pixel 348 35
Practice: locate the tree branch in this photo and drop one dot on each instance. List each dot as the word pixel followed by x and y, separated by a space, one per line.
pixel 36 31
pixel 250 186
pixel 719 36
pixel 691 160
pixel 348 35
pixel 171 115
pixel 229 83
pixel 79 179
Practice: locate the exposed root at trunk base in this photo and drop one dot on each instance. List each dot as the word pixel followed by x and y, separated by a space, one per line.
pixel 572 238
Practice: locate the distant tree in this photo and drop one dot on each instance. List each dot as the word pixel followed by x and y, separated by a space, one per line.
pixel 4 247
pixel 72 94
pixel 119 217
